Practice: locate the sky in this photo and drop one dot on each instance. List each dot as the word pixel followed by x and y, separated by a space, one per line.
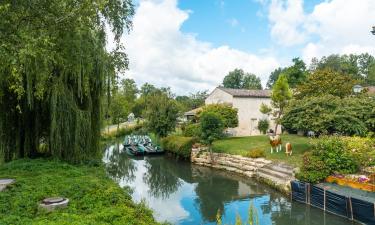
pixel 190 45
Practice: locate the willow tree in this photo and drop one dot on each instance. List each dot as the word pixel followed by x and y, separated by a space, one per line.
pixel 54 72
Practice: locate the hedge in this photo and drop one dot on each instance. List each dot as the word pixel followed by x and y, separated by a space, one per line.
pixel 179 145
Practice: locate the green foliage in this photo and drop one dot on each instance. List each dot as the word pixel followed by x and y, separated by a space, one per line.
pixel 192 101
pixel 227 114
pixel 263 125
pixel 252 82
pixel 329 114
pixel 280 97
pixel 356 66
pixel 54 72
pixel 256 153
pixel 130 90
pixel 212 127
pixel 265 109
pixel 273 77
pixel 94 198
pixel 119 108
pixel 179 145
pixel 238 79
pixel 296 74
pixel 161 114
pixel 192 130
pixel 313 169
pixel 323 82
pixel 361 149
pixel 332 154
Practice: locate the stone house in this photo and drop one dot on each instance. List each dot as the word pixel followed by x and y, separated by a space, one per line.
pixel 248 103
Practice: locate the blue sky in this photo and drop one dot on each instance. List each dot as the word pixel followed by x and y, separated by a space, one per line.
pixel 190 45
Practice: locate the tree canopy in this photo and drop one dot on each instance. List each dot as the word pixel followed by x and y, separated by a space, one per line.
pixel 54 72
pixel 161 114
pixel 238 79
pixel 326 81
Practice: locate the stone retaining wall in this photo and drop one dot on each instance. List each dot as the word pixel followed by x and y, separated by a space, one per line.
pixel 233 163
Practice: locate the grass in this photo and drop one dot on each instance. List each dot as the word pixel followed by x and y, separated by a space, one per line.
pixel 242 145
pixel 94 198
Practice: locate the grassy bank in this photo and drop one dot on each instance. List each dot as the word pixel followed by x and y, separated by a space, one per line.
pixel 94 198
pixel 178 145
pixel 242 146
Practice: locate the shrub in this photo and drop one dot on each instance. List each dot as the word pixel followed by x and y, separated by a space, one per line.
pixel 332 150
pixel 329 114
pixel 192 130
pixel 256 153
pixel 330 154
pixel 361 149
pixel 227 113
pixel 178 145
pixel 313 170
pixel 263 126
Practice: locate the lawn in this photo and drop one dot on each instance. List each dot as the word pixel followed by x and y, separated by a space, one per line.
pixel 94 198
pixel 242 145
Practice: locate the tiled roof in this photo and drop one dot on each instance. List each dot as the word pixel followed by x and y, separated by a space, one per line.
pixel 193 112
pixel 247 93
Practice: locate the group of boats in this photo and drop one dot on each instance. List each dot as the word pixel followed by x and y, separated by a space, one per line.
pixel 136 145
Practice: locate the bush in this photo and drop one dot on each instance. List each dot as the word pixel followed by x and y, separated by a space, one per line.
pixel 329 114
pixel 192 130
pixel 361 149
pixel 256 153
pixel 333 151
pixel 178 145
pixel 263 125
pixel 313 170
pixel 125 131
pixel 331 154
pixel 227 113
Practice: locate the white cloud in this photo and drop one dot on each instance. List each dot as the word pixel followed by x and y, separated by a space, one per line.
pixel 343 27
pixel 285 19
pixel 333 27
pixel 161 54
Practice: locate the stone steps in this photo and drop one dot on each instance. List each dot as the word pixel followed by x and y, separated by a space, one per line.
pixel 277 173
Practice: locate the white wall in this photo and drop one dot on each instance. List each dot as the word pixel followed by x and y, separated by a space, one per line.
pixel 248 111
pixel 219 97
pixel 249 115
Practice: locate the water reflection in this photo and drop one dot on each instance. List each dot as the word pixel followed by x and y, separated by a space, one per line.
pixel 181 193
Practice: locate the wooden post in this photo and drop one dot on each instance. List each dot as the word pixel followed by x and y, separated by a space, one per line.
pixel 351 208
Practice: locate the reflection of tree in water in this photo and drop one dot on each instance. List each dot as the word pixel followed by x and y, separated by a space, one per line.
pixel 213 191
pixel 160 177
pixel 120 167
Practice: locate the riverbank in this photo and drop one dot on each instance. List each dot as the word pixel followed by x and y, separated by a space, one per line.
pixel 94 198
pixel 277 175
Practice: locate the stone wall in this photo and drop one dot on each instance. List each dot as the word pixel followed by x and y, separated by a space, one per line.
pixel 233 163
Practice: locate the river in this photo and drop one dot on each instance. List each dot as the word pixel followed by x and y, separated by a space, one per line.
pixel 181 193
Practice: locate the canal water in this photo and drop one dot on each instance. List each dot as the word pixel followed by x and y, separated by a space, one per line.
pixel 181 193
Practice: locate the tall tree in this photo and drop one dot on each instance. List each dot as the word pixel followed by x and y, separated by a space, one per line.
pixel 238 79
pixel 130 90
pixel 297 73
pixel 326 81
pixel 251 82
pixel 234 79
pixel 54 68
pixel 161 114
pixel 280 97
pixel 274 76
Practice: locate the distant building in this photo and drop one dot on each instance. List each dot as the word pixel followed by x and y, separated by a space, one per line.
pixel 247 102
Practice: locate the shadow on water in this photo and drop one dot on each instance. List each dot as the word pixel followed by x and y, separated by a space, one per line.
pixel 182 193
